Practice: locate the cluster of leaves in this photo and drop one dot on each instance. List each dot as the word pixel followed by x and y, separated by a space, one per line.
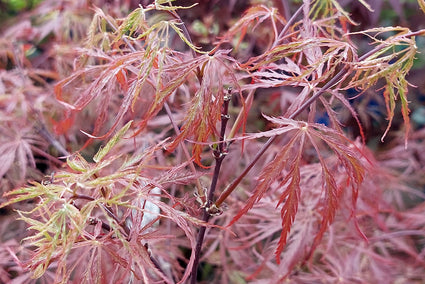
pixel 317 206
pixel 108 226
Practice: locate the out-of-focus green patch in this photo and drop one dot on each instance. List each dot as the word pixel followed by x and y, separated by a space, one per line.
pixel 11 8
pixel 16 6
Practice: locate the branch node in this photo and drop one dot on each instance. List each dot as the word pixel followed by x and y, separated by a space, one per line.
pixel 213 210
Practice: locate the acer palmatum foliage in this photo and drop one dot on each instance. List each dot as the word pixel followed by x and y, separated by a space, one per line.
pixel 232 158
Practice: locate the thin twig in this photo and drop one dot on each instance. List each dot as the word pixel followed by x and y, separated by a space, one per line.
pixel 219 153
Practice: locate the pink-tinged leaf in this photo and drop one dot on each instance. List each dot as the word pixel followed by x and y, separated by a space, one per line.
pixel 7 156
pixel 348 153
pixel 391 61
pixel 350 162
pixel 286 125
pixel 179 73
pixel 205 108
pixel 182 220
pixel 103 87
pixel 288 158
pixel 251 19
pixel 285 168
pixel 330 204
pixel 111 143
pixel 290 200
pixel 121 77
pixel 63 126
pixel 16 150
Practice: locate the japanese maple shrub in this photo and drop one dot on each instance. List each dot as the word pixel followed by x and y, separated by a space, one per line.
pixel 230 163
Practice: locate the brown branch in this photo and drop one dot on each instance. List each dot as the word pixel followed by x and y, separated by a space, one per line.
pixel 219 154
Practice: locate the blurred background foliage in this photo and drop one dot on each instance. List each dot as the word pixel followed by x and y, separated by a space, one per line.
pixel 10 8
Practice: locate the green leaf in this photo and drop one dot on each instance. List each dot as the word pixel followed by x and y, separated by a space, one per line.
pixel 77 163
pixel 183 38
pixel 114 140
pixel 159 5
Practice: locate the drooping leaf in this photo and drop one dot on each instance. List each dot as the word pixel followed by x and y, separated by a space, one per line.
pixel 285 168
pixel 178 74
pixel 392 62
pixel 159 4
pixel 128 72
pixel 205 107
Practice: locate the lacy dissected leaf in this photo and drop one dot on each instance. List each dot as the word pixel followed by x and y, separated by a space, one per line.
pixel 391 61
pixel 135 21
pixel 251 19
pixel 55 235
pixel 16 149
pixel 280 65
pixel 103 254
pixel 267 231
pixel 128 255
pixel 204 111
pixel 349 159
pixel 103 87
pixel 81 205
pixel 129 74
pixel 177 74
pixel 154 30
pixel 98 34
pixel 285 169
